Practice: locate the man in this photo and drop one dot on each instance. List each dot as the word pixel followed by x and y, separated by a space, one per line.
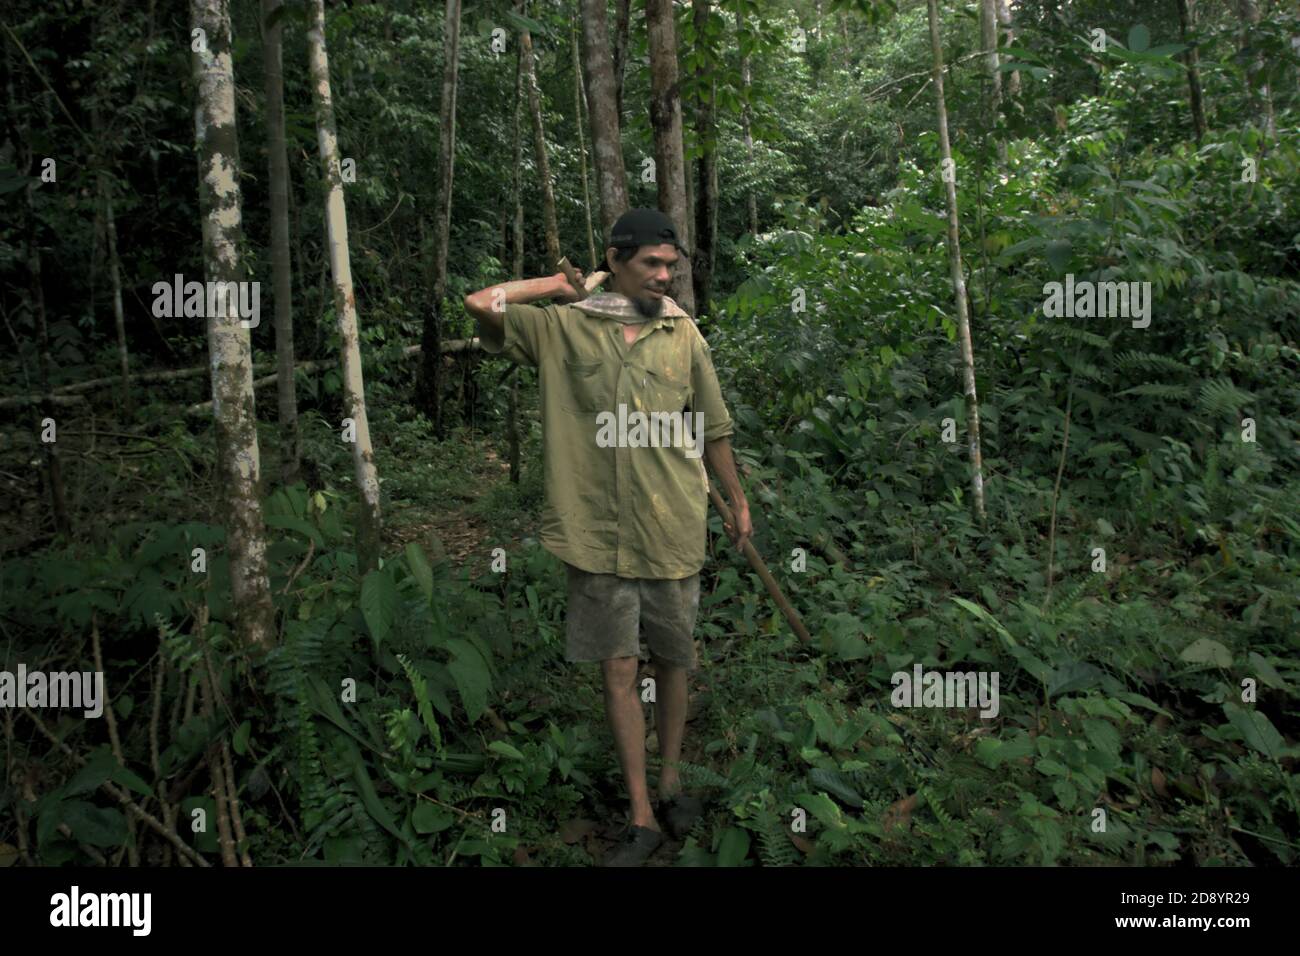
pixel 627 515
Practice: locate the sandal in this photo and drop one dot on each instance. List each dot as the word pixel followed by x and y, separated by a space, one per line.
pixel 680 813
pixel 636 847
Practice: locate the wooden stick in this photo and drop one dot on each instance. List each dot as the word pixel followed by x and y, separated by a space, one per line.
pixel 757 563
pixel 591 283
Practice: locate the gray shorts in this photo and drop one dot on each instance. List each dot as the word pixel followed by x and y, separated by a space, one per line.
pixel 605 611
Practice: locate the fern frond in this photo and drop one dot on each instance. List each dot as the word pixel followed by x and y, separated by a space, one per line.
pixel 1148 362
pixel 1171 393
pixel 1075 334
pixel 774 846
pixel 695 775
pixel 1220 397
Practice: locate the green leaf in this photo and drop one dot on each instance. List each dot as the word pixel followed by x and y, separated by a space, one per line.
pixel 240 740
pixel 124 706
pixel 1102 735
pixel 301 525
pixel 505 750
pixel 1072 676
pixel 1057 252
pixel 1139 38
pixel 369 798
pixel 1257 730
pixel 97 770
pixel 472 677
pixel 420 570
pixel 822 720
pixel 987 618
pixel 379 604
pixel 1267 673
pixel 1207 651
pixel 734 847
pixel 431 818
pixel 98 826
pixel 823 808
pixel 834 782
pixel 133 781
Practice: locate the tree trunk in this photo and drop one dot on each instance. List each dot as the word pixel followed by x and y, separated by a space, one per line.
pixel 750 197
pixel 666 121
pixel 1004 19
pixel 238 460
pixel 539 150
pixel 1187 26
pixel 602 99
pixel 582 148
pixel 706 195
pixel 336 222
pixel 49 449
pixel 1249 12
pixel 517 266
pixel 622 25
pixel 104 186
pixel 430 384
pixel 281 271
pixel 955 267
pixel 989 43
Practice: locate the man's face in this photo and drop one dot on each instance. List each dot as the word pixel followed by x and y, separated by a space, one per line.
pixel 646 276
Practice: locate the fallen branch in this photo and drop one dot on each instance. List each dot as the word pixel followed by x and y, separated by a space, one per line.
pixel 16 401
pixel 128 804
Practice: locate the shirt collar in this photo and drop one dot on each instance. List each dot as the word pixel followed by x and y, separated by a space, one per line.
pixel 616 306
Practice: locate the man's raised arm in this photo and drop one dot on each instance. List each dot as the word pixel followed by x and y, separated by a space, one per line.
pixel 488 305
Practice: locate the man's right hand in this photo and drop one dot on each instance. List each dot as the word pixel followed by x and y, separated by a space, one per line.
pixel 564 290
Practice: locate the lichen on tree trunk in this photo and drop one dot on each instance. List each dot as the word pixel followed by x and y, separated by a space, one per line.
pixel 228 340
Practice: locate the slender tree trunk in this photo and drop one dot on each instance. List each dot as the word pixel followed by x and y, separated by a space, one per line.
pixel 706 196
pixel 233 410
pixel 666 121
pixel 115 283
pixel 1187 26
pixel 622 25
pixel 336 221
pixel 539 151
pixel 49 449
pixel 989 42
pixel 430 387
pixel 102 182
pixel 955 267
pixel 602 99
pixel 517 267
pixel 751 200
pixel 281 270
pixel 1004 19
pixel 1249 12
pixel 582 149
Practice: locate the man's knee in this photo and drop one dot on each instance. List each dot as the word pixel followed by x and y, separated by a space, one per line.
pixel 620 673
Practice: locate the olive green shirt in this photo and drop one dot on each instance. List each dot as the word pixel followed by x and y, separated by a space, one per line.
pixel 637 512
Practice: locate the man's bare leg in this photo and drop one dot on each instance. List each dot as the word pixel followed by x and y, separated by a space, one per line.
pixel 627 721
pixel 670 715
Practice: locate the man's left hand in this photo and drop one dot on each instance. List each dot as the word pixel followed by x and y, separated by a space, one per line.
pixel 740 528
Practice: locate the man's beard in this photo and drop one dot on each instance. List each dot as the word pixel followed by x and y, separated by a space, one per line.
pixel 649 308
